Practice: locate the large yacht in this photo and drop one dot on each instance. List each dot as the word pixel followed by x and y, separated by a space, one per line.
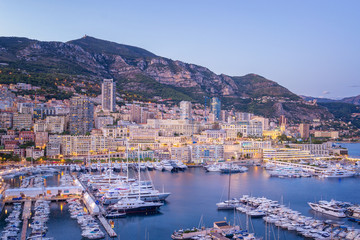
pixel 134 206
pixel 148 195
pixel 338 173
pixel 232 168
pixel 330 208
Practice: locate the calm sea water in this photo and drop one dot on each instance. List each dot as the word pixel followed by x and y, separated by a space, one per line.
pixel 354 149
pixel 195 193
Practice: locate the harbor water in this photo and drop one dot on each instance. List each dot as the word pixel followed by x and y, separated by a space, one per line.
pixel 194 194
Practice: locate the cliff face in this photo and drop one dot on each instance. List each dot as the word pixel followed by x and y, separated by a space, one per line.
pixel 144 73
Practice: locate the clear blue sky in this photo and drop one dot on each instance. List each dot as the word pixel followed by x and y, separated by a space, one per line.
pixel 312 47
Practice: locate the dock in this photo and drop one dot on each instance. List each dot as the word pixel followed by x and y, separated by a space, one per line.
pixel 25 216
pixel 107 226
pixel 95 209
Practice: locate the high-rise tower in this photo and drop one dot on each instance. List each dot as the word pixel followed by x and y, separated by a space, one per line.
pixel 185 110
pixel 81 115
pixel 108 97
pixel 216 108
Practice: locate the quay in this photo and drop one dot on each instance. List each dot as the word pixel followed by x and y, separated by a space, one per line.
pixel 353 159
pixel 95 209
pixel 214 232
pixel 107 226
pixel 25 216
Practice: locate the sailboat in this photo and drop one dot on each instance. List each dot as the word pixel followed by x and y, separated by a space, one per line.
pixel 229 204
pixel 135 206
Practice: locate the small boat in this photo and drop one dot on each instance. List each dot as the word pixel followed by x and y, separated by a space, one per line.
pixel 256 213
pixel 167 166
pixel 158 167
pixel 115 213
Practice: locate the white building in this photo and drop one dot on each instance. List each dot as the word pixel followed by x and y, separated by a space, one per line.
pixel 185 110
pixel 205 153
pixel 168 127
pixel 318 150
pixel 286 154
pixel 252 128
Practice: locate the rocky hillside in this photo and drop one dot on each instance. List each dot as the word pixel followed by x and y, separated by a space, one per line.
pixel 84 62
pixel 353 100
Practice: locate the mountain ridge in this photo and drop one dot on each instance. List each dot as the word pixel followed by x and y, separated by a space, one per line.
pixel 352 100
pixel 142 73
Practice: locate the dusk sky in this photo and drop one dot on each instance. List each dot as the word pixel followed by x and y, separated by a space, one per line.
pixel 312 47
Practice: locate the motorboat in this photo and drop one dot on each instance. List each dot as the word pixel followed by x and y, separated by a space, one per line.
pixel 158 167
pixel 213 168
pixel 337 173
pixel 228 204
pixel 167 166
pixel 256 213
pixel 329 208
pixel 93 233
pixel 232 168
pixel 115 213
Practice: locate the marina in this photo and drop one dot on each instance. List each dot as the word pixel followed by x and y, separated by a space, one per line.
pixel 80 193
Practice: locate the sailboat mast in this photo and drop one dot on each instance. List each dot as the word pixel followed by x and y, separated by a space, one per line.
pixel 229 183
pixel 110 167
pixel 139 168
pixel 127 162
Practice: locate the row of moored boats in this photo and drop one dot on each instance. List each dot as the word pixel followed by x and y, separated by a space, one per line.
pixel 39 220
pixel 283 217
pixel 89 226
pixel 13 222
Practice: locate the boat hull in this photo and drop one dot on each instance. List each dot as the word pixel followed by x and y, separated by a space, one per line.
pixel 317 208
pixel 140 210
pixel 152 198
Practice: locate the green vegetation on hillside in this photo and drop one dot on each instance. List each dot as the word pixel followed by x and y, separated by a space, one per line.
pixel 343 111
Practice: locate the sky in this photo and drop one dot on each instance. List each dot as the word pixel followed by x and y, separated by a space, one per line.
pixel 311 47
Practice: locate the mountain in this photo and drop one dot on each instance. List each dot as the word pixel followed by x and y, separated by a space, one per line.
pixel 353 100
pixel 319 100
pixel 140 74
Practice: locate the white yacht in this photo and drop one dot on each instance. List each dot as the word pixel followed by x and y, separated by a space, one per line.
pixel 167 166
pixel 337 173
pixel 114 195
pixel 232 168
pixel 330 208
pixel 213 168
pixel 228 204
pixel 158 167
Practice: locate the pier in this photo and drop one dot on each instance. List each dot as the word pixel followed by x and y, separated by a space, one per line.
pixel 95 209
pixel 25 216
pixel 107 226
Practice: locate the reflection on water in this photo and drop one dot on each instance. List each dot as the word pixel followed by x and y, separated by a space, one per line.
pixel 195 193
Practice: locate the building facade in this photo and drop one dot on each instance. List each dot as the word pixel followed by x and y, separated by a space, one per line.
pixel 108 97
pixel 81 115
pixel 185 110
pixel 216 108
